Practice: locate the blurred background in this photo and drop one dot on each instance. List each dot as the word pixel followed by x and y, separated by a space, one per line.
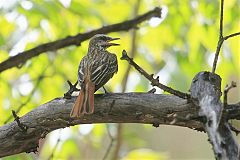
pixel 174 47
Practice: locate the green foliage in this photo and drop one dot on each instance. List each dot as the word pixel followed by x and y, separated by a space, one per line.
pixel 176 49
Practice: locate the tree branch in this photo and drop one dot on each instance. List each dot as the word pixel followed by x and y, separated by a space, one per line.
pixel 154 81
pixel 205 93
pixel 144 108
pixel 22 57
pixel 226 90
pixel 221 20
pixel 231 35
pixel 221 38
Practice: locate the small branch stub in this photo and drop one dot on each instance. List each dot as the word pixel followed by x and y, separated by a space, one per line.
pixel 226 90
pixel 72 88
pixel 20 125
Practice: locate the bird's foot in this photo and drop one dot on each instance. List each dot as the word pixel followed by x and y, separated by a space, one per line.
pixel 106 92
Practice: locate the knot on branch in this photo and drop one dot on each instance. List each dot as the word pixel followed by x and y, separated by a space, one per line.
pixel 206 92
pixel 206 83
pixel 158 12
pixel 125 56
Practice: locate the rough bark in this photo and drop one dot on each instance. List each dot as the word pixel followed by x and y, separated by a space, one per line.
pixel 146 108
pixel 206 93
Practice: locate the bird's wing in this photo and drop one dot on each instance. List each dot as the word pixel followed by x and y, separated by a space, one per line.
pixel 103 69
pixel 81 68
pixel 113 63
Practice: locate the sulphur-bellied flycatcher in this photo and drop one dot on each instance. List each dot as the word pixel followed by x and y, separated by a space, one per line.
pixel 95 69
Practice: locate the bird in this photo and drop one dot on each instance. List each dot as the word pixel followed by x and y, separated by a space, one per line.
pixel 94 71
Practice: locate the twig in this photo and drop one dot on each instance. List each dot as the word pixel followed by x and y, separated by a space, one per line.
pixel 105 90
pixel 19 108
pixel 112 139
pixel 153 90
pixel 220 42
pixel 56 145
pixel 221 21
pixel 154 82
pixel 226 90
pixel 20 125
pixel 118 140
pixel 22 57
pixel 231 35
pixel 223 113
pixel 221 38
pixel 237 131
pixel 72 88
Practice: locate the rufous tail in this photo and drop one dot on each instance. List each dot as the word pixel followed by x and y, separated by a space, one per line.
pixel 84 103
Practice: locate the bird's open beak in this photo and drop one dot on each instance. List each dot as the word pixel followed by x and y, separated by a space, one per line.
pixel 112 44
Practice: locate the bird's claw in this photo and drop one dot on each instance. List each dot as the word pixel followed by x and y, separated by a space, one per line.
pixel 106 92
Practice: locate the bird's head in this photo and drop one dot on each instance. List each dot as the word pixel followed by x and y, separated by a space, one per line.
pixel 102 41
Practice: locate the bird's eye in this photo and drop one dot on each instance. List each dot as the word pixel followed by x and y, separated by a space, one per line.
pixel 104 38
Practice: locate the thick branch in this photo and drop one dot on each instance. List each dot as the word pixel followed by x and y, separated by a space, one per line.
pixel 206 92
pixel 22 57
pixel 144 108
